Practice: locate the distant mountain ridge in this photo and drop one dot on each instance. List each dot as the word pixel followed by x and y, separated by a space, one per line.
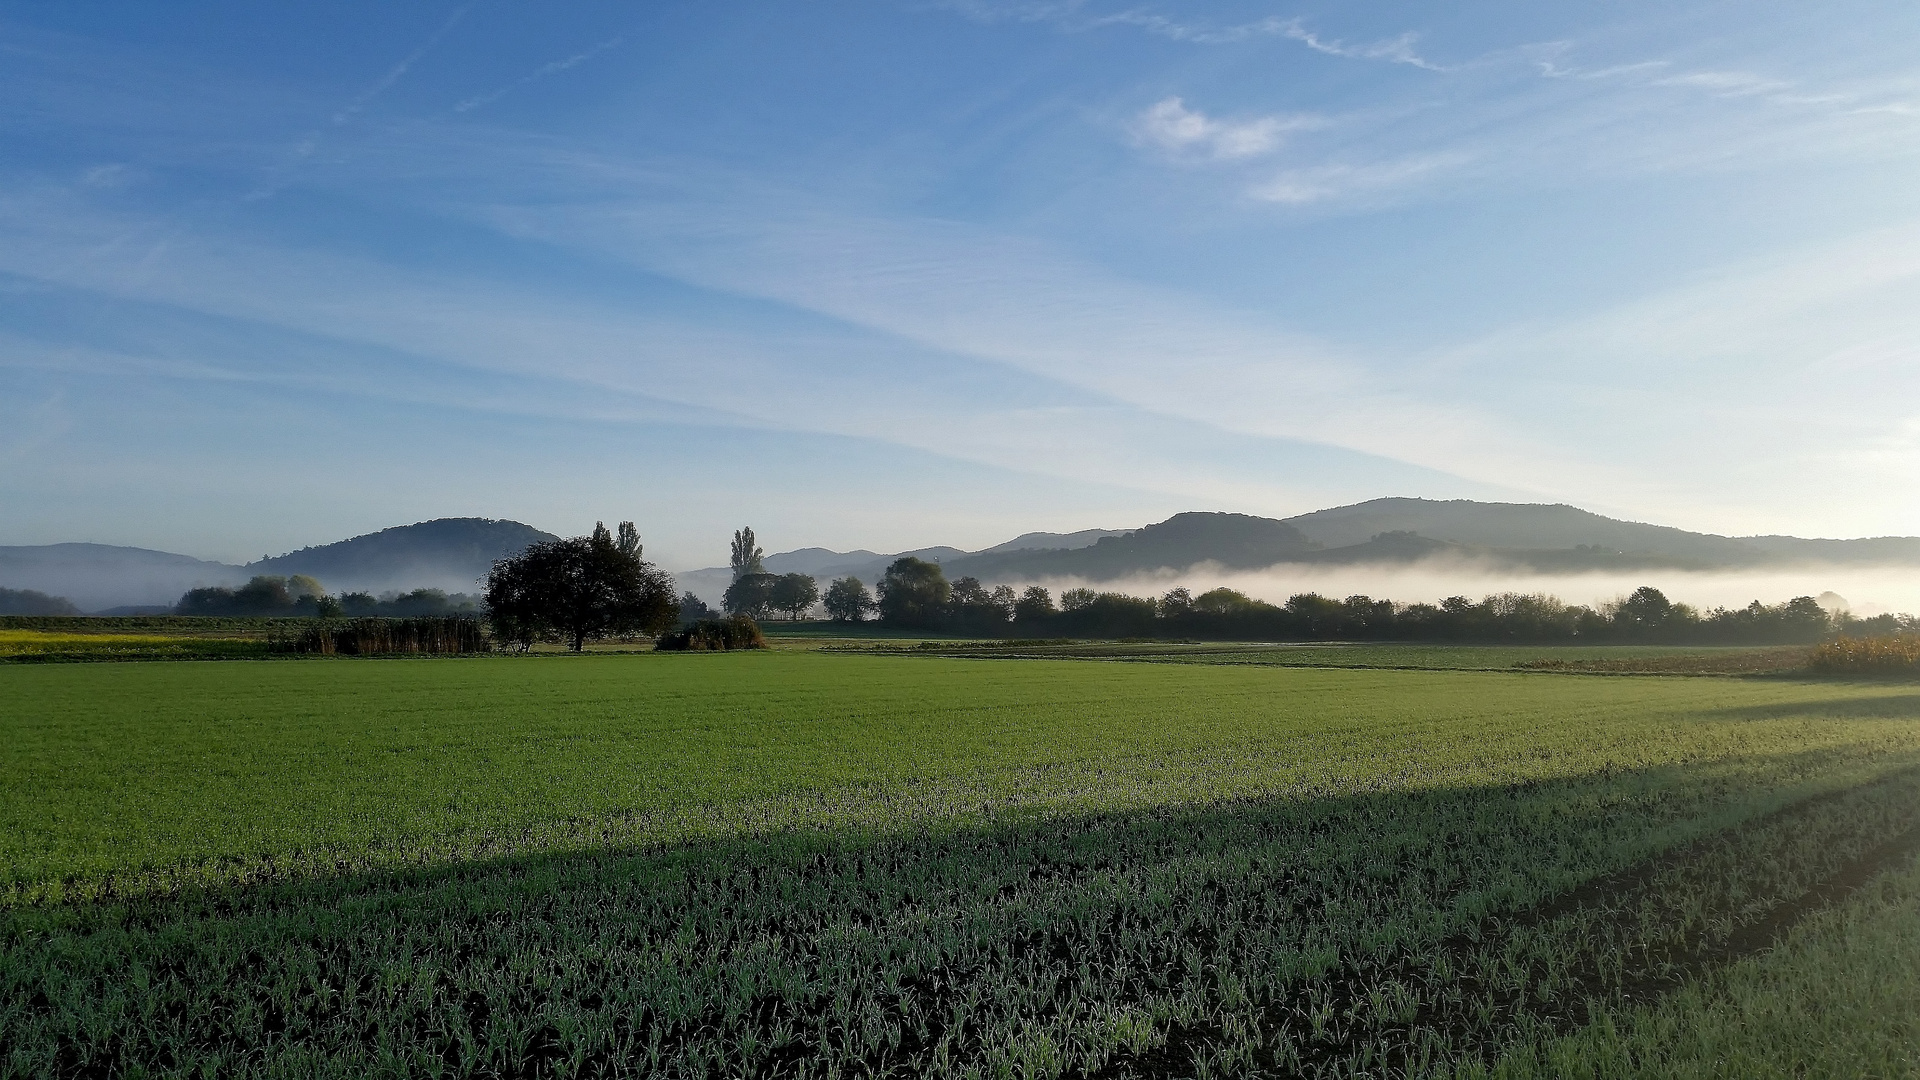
pixel 455 553
pixel 1518 527
pixel 1235 541
pixel 1541 537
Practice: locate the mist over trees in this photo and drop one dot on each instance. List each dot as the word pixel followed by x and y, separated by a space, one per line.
pixel 269 596
pixel 756 593
pixel 580 589
pixel 264 595
pixel 34 602
pixel 916 595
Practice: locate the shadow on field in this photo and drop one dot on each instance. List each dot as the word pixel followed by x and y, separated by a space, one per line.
pixel 1880 707
pixel 1302 935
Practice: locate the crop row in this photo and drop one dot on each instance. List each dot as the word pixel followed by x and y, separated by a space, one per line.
pixel 1375 932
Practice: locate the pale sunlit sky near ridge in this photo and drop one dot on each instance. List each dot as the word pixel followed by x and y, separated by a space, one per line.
pixel 896 274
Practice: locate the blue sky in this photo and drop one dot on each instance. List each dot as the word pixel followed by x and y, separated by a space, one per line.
pixel 896 274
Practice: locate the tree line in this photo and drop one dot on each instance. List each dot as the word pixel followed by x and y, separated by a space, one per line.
pixel 596 586
pixel 34 602
pixel 915 594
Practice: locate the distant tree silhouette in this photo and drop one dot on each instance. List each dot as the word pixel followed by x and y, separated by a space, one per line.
pixel 1034 605
pixel 1645 609
pixel 914 592
pixel 750 595
pixel 34 602
pixel 1075 599
pixel 794 594
pixel 745 558
pixel 975 608
pixel 848 600
pixel 264 595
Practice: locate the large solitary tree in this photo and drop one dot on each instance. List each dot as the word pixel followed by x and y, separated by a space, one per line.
pixel 578 589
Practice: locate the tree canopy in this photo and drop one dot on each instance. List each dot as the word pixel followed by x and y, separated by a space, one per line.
pixel 794 594
pixel 579 589
pixel 265 594
pixel 750 595
pixel 848 600
pixel 914 592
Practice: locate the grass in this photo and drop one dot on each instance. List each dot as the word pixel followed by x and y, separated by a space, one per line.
pixel 795 863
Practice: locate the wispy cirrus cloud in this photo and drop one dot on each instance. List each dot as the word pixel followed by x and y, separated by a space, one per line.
pixel 1171 126
pixel 1323 183
pixel 1551 61
pixel 541 72
pixel 1399 49
pixel 399 70
pixel 1395 50
pixel 1726 83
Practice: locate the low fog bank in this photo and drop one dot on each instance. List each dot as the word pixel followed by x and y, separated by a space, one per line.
pixel 98 578
pixel 1867 590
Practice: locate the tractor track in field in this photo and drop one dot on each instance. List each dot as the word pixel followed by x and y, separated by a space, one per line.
pixel 1460 1022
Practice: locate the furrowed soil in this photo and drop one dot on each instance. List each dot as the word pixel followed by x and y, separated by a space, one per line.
pixel 814 864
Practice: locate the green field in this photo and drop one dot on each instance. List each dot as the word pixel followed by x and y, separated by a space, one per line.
pixel 811 863
pixel 1587 659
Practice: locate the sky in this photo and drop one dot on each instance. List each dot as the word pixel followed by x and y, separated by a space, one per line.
pixel 890 275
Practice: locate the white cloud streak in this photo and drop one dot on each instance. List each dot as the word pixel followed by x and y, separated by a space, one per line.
pixel 541 72
pixel 1171 126
pixel 1075 17
pixel 398 71
pixel 1548 59
pixel 1324 183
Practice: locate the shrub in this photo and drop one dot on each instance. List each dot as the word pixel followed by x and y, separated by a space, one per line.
pixel 714 635
pixel 1895 654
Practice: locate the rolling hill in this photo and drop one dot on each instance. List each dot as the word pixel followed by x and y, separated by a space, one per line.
pixel 449 553
pixel 455 553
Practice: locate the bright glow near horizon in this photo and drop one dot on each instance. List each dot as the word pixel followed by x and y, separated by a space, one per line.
pixel 891 275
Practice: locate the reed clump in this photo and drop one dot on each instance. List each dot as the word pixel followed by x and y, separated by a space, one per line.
pixel 375 637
